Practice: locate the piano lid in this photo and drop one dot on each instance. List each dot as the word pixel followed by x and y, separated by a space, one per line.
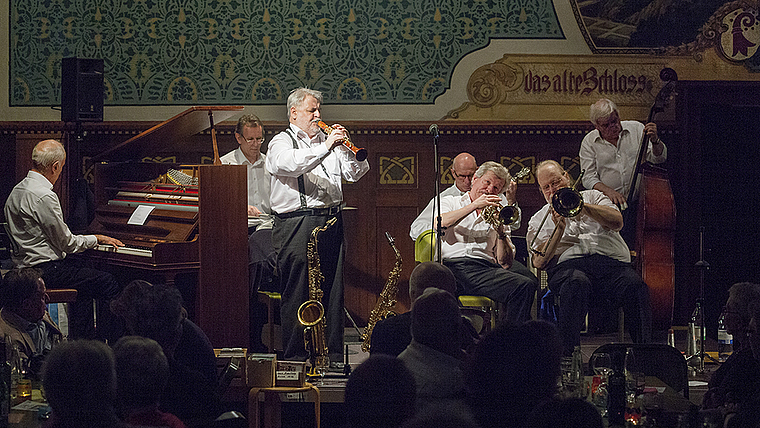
pixel 169 133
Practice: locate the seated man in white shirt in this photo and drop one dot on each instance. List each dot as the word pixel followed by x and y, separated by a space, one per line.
pixel 479 255
pixel 586 258
pixel 35 220
pixel 462 169
pixel 249 134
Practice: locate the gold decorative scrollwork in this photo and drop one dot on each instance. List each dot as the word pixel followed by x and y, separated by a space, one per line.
pixel 489 84
pixel 397 169
pixel 515 164
pixel 445 168
pixel 571 165
pixel 159 159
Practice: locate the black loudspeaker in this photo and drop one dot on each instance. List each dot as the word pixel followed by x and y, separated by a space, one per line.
pixel 81 90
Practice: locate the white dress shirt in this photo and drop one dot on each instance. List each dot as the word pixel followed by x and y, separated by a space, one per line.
pixel 322 171
pixel 613 165
pixel 35 220
pixel 424 220
pixel 472 236
pixel 583 235
pixel 258 186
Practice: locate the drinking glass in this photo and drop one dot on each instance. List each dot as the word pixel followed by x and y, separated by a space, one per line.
pixel 601 364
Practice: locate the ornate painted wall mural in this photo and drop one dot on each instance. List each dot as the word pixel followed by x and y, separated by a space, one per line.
pixel 673 27
pixel 164 52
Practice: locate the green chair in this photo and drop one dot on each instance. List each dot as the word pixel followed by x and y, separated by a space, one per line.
pixel 424 248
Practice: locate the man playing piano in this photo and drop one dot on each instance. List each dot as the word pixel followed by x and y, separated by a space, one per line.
pixel 307 168
pixel 249 134
pixel 35 220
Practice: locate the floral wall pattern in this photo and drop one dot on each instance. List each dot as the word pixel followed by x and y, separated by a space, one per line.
pixel 164 52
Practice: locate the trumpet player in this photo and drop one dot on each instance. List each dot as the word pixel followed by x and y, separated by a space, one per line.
pixel 586 260
pixel 307 167
pixel 481 256
pixel 463 168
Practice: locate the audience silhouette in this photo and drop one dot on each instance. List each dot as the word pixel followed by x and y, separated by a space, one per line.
pixel 380 393
pixel 142 372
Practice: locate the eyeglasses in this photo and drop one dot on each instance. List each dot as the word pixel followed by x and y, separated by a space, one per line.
pixel 469 177
pixel 248 140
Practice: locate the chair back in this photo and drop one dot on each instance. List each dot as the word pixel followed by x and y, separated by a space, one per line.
pixel 424 246
pixel 7 243
pixel 653 359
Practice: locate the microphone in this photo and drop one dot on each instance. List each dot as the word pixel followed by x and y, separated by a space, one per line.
pixel 433 130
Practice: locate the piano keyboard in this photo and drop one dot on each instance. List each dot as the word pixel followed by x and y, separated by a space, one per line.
pixel 141 252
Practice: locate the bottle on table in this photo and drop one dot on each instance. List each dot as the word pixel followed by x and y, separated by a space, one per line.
pixel 725 340
pixel 695 332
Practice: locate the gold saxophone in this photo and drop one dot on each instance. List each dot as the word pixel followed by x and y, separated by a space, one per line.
pixel 311 314
pixel 384 306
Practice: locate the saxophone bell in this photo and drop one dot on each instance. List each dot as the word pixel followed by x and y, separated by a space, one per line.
pixel 311 314
pixel 359 153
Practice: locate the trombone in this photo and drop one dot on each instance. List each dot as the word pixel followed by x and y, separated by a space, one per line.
pixel 567 202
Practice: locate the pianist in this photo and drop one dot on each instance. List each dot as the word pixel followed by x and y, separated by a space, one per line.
pixel 35 220
pixel 307 170
pixel 249 134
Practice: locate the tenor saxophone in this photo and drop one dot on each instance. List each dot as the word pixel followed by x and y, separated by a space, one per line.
pixel 311 314
pixel 384 306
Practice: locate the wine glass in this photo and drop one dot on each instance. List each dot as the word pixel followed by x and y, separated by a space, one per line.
pixel 601 364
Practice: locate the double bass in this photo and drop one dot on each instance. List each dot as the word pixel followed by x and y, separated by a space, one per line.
pixel 655 220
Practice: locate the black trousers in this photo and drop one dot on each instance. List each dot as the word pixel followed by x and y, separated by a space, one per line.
pixel 515 288
pixel 290 237
pixel 606 281
pixel 262 260
pixel 91 284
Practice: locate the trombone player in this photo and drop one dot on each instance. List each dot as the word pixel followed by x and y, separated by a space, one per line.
pixel 480 255
pixel 585 258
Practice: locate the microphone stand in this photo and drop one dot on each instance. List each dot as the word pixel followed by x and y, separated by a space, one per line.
pixel 700 307
pixel 438 227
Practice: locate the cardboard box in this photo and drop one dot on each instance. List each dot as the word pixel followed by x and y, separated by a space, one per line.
pixel 290 373
pixel 260 370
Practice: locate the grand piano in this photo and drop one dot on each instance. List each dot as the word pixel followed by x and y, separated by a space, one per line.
pixel 197 221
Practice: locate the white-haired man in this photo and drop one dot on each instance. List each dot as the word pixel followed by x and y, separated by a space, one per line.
pixel 479 255
pixel 35 220
pixel 609 153
pixel 307 167
pixel 463 169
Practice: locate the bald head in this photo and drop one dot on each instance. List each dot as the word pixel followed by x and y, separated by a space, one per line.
pixel 430 274
pixel 48 158
pixel 462 168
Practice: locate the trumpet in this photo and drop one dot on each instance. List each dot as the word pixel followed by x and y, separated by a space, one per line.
pixel 501 215
pixel 361 154
pixel 567 202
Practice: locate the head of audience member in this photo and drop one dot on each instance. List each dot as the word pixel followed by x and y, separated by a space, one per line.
pixel 430 274
pixel 551 177
pixel 380 393
pixel 490 178
pixel 571 412
pixel 142 371
pixel 249 133
pixel 443 414
pixel 304 109
pixel 606 119
pixel 80 384
pixel 23 293
pixel 737 310
pixel 436 321
pixel 512 370
pixel 463 168
pixel 48 158
pixel 152 311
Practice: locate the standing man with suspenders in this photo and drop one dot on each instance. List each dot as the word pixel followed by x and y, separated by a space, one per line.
pixel 307 170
